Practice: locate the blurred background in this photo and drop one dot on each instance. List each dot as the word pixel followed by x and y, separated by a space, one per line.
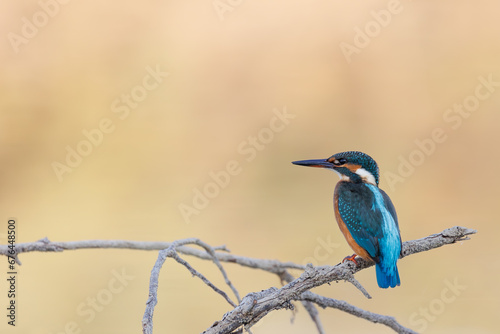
pixel 163 120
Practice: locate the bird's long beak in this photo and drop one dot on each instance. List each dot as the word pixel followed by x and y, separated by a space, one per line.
pixel 320 163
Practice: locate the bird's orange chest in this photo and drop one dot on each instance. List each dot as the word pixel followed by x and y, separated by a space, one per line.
pixel 345 231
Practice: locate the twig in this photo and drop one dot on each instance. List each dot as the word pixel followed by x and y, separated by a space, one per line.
pixel 314 314
pixel 147 319
pixel 356 311
pixel 171 251
pixel 210 250
pixel 44 245
pixel 194 272
pixel 253 306
pixel 285 276
pixel 358 285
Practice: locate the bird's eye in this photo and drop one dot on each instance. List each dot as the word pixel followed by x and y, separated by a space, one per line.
pixel 339 162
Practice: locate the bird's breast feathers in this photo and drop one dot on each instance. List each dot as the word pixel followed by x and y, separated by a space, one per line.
pixel 369 216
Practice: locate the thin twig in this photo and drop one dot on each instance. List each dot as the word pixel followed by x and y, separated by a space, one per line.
pixel 310 307
pixel 314 314
pixel 147 319
pixel 44 245
pixel 210 250
pixel 196 273
pixel 171 251
pixel 356 311
pixel 253 306
pixel 358 285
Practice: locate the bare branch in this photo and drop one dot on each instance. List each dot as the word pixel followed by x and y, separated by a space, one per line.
pixel 194 272
pixel 358 285
pixel 147 320
pixel 448 236
pixel 285 276
pixel 314 314
pixel 44 245
pixel 346 307
pixel 254 305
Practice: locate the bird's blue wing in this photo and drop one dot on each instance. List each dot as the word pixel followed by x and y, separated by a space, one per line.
pixel 389 206
pixel 356 205
pixel 392 211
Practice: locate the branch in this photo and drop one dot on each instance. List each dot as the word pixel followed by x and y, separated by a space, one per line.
pixel 45 245
pixel 325 302
pixel 255 305
pixel 309 306
pixel 171 251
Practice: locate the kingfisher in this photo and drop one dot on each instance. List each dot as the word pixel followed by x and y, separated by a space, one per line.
pixel 364 213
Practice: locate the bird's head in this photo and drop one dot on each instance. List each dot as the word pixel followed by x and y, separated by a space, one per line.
pixel 351 166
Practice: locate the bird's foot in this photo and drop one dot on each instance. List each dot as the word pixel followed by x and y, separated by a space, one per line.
pixel 351 258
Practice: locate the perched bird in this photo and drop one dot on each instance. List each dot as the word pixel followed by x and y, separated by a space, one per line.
pixel 364 212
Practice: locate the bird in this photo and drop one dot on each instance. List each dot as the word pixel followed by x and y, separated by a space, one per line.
pixel 364 212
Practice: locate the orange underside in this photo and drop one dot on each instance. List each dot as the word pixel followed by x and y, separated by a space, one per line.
pixel 347 235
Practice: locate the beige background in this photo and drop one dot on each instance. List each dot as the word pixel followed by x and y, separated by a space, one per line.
pixel 227 73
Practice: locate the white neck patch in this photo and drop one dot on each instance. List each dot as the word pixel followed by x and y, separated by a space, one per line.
pixel 366 176
pixel 342 176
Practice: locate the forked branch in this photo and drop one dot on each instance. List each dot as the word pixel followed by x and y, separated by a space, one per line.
pixel 255 306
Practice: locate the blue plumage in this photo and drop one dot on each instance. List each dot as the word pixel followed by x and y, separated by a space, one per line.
pixel 390 243
pixel 364 212
pixel 387 278
pixel 371 220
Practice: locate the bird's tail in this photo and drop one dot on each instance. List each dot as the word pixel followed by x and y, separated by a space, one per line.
pixel 387 277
